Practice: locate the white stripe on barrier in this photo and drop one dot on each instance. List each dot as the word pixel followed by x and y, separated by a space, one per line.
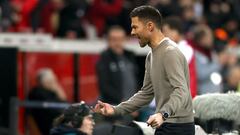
pixel 46 43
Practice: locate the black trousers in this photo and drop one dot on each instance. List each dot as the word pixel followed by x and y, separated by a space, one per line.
pixel 176 129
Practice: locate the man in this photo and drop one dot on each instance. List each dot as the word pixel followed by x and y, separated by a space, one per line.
pixel 75 120
pixel 47 90
pixel 172 27
pixel 119 66
pixel 166 79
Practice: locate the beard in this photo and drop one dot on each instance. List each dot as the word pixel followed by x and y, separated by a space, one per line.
pixel 142 42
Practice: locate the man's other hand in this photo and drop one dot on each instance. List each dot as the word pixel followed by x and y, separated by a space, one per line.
pixel 155 120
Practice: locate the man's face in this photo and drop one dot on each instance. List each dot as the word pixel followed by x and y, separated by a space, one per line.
pixel 87 125
pixel 116 40
pixel 49 81
pixel 140 31
pixel 207 40
pixel 171 33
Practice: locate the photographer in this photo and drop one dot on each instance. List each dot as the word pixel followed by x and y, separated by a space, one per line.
pixel 75 120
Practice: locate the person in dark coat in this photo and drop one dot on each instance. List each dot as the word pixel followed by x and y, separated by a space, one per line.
pixel 47 89
pixel 116 69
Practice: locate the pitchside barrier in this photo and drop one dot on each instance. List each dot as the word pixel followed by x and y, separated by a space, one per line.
pixel 46 43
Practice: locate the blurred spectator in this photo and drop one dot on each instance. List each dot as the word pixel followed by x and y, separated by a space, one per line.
pixel 90 18
pixel 47 90
pixel 167 7
pixel 221 39
pixel 188 17
pixel 172 27
pixel 5 15
pixel 233 79
pixel 119 66
pixel 21 15
pixel 45 17
pixel 208 64
pixel 232 28
pixel 71 19
pixel 189 11
pixel 75 120
pixel 228 35
pixel 123 18
pixel 229 59
pixel 100 10
pixel 198 9
pixel 211 10
pixel 217 12
pixel 36 15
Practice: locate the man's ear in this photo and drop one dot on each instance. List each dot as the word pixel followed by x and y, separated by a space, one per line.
pixel 150 26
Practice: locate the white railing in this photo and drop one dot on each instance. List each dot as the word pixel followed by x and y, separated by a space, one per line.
pixel 46 43
pixel 29 42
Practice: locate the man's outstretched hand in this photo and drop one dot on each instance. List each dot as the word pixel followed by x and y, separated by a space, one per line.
pixel 104 108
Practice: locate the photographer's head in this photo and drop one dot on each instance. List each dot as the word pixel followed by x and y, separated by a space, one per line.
pixel 77 116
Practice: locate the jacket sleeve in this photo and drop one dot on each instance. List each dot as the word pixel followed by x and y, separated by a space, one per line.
pixel 140 99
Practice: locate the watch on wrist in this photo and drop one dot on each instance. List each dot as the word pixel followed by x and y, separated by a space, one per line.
pixel 165 115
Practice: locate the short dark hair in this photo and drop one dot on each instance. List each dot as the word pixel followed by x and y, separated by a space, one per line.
pixel 147 13
pixel 75 114
pixel 174 23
